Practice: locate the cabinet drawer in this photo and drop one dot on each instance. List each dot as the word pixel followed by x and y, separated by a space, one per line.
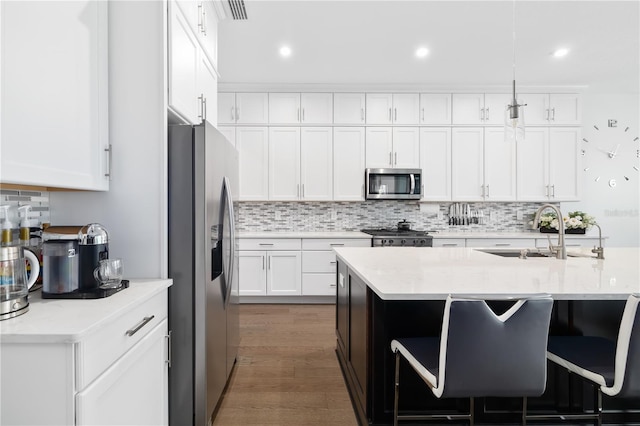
pixel 568 242
pixel 448 242
pixel 318 261
pixel 501 242
pixel 328 244
pixel 319 284
pixel 269 244
pixel 102 348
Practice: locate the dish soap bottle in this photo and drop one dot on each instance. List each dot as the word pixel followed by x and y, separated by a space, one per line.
pixel 7 227
pixel 25 225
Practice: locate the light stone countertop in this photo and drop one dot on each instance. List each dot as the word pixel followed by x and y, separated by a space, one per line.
pixel 304 234
pixel 69 320
pixel 408 273
pixel 511 235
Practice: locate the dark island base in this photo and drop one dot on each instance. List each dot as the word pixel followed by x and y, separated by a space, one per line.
pixel 365 326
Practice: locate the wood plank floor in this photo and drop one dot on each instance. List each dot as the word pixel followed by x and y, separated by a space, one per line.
pixel 287 372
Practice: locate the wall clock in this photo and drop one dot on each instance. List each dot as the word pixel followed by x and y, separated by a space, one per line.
pixel 614 153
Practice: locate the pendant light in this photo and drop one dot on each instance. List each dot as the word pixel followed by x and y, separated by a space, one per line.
pixel 514 114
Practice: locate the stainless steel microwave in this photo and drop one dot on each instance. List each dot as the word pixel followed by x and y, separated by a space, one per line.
pixel 393 184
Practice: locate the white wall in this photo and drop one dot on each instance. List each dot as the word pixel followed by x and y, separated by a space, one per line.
pixel 616 209
pixel 134 210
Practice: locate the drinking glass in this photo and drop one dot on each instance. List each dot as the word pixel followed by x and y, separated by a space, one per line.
pixel 109 273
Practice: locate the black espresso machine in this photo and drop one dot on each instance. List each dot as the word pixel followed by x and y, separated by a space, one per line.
pixel 70 255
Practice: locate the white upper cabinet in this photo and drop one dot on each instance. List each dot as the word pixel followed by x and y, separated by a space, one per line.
pixel 499 166
pixel 392 147
pixel 253 148
pixel 435 162
pixel 385 108
pixel 226 108
pixel 435 108
pixel 252 108
pixel 467 168
pixel 548 164
pixel 478 108
pixel 54 118
pixel 316 163
pixel 284 163
pixel 284 108
pixel 203 21
pixel 348 108
pixel 317 108
pixel 348 163
pixel 550 109
pixel 379 147
pixel 208 84
pixel 406 147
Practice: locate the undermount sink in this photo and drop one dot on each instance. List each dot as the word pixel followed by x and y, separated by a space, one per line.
pixel 513 252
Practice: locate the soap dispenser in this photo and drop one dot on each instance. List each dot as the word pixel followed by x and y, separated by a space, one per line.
pixel 25 225
pixel 7 227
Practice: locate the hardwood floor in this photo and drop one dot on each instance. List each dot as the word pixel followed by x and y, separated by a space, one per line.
pixel 287 372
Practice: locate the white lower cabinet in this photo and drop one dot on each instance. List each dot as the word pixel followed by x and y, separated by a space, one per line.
pixel 501 242
pixel 291 267
pixel 116 373
pixel 448 242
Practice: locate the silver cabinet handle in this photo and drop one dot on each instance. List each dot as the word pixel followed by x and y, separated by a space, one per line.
pixel 200 17
pixel 298 115
pixel 334 245
pixel 109 151
pixel 481 114
pixel 263 263
pixel 487 191
pixel 486 117
pixel 268 262
pixel 423 114
pixel 237 113
pixel 389 115
pixel 233 115
pixel 390 159
pixel 201 99
pixel 204 21
pixel 302 114
pixel 395 114
pixel 546 191
pixel 395 157
pixel 168 337
pixel 333 263
pixel 482 187
pixel 553 191
pixel 303 190
pixel 298 191
pixel 204 109
pixel 265 244
pixel 362 114
pixel 450 245
pixel 502 244
pixel 137 328
pixel 333 285
pixel 553 114
pixel 547 115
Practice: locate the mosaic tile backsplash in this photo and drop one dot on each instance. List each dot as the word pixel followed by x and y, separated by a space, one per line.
pixel 354 216
pixel 38 200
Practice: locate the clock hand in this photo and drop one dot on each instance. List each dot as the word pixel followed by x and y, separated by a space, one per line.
pixel 614 152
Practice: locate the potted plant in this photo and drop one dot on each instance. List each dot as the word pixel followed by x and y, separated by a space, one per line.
pixel 574 223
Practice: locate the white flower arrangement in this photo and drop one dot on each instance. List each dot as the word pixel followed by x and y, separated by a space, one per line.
pixel 574 220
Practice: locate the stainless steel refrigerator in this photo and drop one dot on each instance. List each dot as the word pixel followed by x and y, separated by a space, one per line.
pixel 203 300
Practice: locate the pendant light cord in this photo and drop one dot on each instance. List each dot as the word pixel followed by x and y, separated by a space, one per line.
pixel 514 40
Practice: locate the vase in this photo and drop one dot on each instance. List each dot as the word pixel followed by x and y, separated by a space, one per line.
pixel 575 231
pixel 548 230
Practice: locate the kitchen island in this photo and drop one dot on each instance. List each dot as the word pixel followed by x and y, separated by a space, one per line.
pixel 384 293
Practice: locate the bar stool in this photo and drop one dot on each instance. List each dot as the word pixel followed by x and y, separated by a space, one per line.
pixel 480 353
pixel 613 368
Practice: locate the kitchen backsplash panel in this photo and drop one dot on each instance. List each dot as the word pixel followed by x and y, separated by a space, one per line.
pixel 38 200
pixel 354 216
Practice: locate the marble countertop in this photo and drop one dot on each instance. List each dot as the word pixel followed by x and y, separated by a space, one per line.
pixel 68 320
pixel 513 235
pixel 407 273
pixel 304 234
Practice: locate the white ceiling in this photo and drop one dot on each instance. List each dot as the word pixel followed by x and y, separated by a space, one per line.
pixel 372 43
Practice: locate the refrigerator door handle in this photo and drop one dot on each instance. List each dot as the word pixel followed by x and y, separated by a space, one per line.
pixel 232 232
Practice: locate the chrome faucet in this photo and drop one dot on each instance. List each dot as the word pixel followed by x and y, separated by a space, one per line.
pixel 560 250
pixel 599 251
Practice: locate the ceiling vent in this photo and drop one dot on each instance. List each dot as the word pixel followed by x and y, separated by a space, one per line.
pixel 238 11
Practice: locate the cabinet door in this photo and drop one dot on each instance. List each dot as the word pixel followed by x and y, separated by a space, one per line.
pixel 284 273
pixel 183 67
pixel 253 148
pixel 358 330
pixel 284 163
pixel 435 162
pixel 379 108
pixel 342 309
pixel 316 163
pixel 134 390
pixel 208 31
pixel 564 163
pixel 536 111
pixel 495 106
pixel 284 108
pixel 229 132
pixel 468 108
pixel 406 108
pixel 532 155
pixel 54 116
pixel 435 108
pixel 406 147
pixel 226 108
pixel 208 86
pixel 467 169
pixel 499 166
pixel 317 108
pixel 348 163
pixel 348 108
pixel 379 147
pixel 252 276
pixel 565 109
pixel 252 108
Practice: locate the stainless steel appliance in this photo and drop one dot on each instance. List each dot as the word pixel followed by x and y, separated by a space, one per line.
pixel 393 184
pixel 399 237
pixel 203 300
pixel 14 284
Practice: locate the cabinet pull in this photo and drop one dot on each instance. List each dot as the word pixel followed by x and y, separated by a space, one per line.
pixel 546 191
pixel 137 328
pixel 204 109
pixel 237 113
pixel 503 244
pixel 303 115
pixel 333 285
pixel 265 244
pixel 200 17
pixel 298 115
pixel 390 159
pixel 486 117
pixel 333 263
pixel 362 114
pixel 450 245
pixel 395 158
pixel 335 244
pixel 482 186
pixel 268 262
pixel 553 114
pixel 201 99
pixel 487 191
pixel 303 190
pixel 233 115
pixel 389 115
pixel 395 114
pixel 481 114
pixel 168 337
pixel 298 192
pixel 423 114
pixel 204 22
pixel 547 115
pixel 109 151
pixel 263 263
pixel 553 191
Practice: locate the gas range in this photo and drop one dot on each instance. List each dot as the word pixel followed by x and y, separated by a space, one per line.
pixel 399 238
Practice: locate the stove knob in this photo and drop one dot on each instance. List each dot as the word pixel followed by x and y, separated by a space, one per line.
pixel 403 242
pixel 423 242
pixel 383 242
pixel 390 242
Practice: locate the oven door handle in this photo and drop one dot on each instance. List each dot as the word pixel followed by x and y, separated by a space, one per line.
pixel 413 183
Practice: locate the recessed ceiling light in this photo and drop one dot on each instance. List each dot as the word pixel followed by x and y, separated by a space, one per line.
pixel 285 51
pixel 560 53
pixel 422 52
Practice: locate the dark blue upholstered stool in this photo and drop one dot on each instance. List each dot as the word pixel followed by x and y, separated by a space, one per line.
pixel 480 354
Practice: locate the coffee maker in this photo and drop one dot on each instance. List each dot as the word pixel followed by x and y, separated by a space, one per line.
pixel 71 254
